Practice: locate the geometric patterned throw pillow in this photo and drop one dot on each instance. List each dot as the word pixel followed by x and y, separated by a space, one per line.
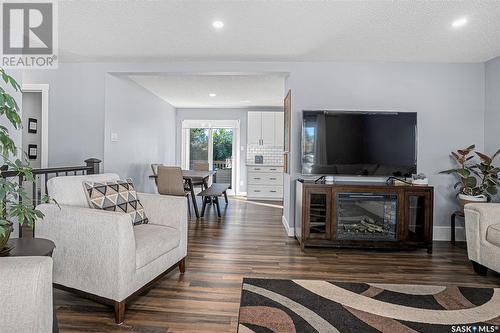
pixel 116 196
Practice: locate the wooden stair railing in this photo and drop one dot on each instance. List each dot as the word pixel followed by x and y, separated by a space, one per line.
pixel 42 175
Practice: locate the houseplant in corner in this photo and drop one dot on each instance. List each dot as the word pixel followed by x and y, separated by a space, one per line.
pixel 15 205
pixel 477 176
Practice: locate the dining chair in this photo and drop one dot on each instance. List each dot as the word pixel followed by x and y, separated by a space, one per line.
pixel 154 167
pixel 200 166
pixel 169 181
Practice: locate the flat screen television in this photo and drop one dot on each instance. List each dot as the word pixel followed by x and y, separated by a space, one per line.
pixel 356 143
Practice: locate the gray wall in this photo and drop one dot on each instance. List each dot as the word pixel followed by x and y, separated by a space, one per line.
pixel 32 108
pixel 76 112
pixel 145 125
pixel 221 114
pixel 492 113
pixel 449 99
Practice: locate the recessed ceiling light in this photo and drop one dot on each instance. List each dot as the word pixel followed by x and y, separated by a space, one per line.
pixel 212 95
pixel 458 23
pixel 218 24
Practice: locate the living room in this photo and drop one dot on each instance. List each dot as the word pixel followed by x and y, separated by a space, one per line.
pixel 124 96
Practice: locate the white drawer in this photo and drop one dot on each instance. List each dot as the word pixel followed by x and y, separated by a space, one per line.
pixel 265 178
pixel 255 168
pixel 259 191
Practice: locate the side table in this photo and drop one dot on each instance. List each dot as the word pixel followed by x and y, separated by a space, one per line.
pixel 453 224
pixel 37 247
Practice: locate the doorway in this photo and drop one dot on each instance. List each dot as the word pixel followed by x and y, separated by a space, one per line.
pixel 35 118
pixel 212 145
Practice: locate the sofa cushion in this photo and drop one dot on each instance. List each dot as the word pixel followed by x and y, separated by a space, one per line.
pixel 116 196
pixel 493 234
pixel 68 190
pixel 152 241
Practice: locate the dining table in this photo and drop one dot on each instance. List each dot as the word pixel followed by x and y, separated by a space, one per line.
pixel 191 176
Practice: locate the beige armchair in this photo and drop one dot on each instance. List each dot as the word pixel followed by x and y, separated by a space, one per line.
pixel 100 254
pixel 482 223
pixel 26 294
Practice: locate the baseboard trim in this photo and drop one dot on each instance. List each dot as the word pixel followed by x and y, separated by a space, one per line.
pixel 443 233
pixel 289 231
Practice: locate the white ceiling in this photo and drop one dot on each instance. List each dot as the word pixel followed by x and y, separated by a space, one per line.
pixel 278 30
pixel 232 91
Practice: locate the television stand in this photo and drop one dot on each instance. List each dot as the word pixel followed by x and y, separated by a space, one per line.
pixel 364 215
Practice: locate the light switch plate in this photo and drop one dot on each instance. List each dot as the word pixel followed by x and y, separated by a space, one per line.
pixel 114 137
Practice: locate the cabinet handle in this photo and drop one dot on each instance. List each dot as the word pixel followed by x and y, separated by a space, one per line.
pixel 256 190
pixel 255 178
pixel 272 191
pixel 272 178
pixel 257 169
pixel 273 169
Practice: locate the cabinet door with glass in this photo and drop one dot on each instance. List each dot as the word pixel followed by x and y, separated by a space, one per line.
pixel 418 217
pixel 317 213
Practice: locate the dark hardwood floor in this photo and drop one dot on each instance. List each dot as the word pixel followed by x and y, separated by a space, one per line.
pixel 250 242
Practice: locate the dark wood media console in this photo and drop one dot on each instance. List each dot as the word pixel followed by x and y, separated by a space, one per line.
pixel 368 215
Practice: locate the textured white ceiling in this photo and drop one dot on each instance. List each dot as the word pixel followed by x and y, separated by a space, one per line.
pixel 232 91
pixel 133 30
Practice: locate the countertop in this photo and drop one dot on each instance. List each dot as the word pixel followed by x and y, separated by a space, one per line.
pixel 265 165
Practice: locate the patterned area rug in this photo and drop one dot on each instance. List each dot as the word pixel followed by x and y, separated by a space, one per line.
pixel 320 306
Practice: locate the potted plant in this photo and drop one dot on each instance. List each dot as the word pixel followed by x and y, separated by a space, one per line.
pixel 478 177
pixel 11 207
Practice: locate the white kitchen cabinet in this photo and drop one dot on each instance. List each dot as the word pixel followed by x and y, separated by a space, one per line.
pixel 265 182
pixel 279 132
pixel 265 128
pixel 254 130
pixel 268 128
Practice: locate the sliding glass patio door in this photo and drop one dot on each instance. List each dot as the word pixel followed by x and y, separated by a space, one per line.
pixel 211 145
pixel 199 149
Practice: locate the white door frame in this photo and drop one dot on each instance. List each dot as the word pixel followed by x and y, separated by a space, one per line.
pixel 44 89
pixel 210 124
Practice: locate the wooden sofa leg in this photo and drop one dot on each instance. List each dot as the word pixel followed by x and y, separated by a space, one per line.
pixel 182 265
pixel 479 269
pixel 120 311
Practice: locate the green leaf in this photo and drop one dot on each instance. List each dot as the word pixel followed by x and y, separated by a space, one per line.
pixel 492 190
pixel 464 173
pixel 450 171
pixel 471 181
pixel 471 147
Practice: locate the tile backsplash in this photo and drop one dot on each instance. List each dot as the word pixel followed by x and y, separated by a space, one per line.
pixel 273 155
